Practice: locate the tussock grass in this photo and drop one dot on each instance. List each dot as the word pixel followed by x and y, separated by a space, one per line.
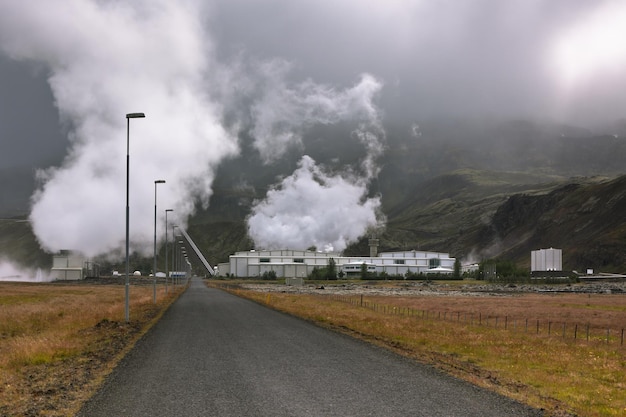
pixel 560 375
pixel 58 341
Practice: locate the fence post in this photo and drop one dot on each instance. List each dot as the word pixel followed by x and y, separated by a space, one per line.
pixel 587 332
pixel 575 331
pixel 563 330
pixel 537 326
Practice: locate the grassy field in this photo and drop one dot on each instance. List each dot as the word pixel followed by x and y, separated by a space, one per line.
pixel 58 341
pixel 559 374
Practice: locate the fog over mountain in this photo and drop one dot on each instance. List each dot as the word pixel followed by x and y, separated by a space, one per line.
pixel 220 79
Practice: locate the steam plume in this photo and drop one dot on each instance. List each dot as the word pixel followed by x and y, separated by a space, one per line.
pixel 11 272
pixel 106 59
pixel 311 207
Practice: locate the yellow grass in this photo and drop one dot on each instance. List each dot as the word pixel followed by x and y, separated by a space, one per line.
pixel 57 341
pixel 551 372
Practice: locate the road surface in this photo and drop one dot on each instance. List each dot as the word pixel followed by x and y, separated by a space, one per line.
pixel 214 354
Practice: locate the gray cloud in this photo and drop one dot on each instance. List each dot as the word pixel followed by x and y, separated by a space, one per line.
pixel 438 59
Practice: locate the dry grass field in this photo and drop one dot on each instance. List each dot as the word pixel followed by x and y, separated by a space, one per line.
pixel 59 340
pixel 563 375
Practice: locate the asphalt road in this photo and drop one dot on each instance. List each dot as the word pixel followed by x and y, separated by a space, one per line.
pixel 214 354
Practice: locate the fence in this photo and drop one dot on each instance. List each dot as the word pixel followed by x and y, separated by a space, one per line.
pixel 575 331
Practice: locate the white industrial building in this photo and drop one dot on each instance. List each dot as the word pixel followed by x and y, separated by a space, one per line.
pixel 546 260
pixel 299 264
pixel 68 266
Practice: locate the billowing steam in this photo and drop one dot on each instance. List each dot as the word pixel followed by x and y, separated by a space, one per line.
pixel 12 272
pixel 311 207
pixel 107 59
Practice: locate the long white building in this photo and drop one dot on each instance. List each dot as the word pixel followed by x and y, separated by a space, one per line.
pixel 299 264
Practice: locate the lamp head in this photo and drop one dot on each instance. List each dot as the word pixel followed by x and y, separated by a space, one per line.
pixel 135 115
pixel 159 181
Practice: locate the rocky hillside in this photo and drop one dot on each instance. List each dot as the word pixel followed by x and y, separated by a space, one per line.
pixel 476 191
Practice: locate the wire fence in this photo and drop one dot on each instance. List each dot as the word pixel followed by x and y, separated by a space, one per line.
pixel 573 331
pixel 539 327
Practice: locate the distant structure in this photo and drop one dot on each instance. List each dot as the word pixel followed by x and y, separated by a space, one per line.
pixel 68 266
pixel 373 243
pixel 490 271
pixel 544 260
pixel 299 264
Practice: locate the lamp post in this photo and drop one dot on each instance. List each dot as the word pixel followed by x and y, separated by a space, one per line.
pixel 180 258
pixel 174 253
pixel 154 271
pixel 128 117
pixel 166 266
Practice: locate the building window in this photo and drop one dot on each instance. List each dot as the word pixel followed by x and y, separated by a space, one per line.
pixel 298 260
pixel 398 261
pixel 264 260
pixel 434 263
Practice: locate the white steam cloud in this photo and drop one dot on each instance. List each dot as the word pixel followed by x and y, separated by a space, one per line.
pixel 283 112
pixel 9 271
pixel 311 207
pixel 106 59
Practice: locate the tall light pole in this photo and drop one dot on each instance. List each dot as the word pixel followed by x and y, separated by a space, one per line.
pixel 174 253
pixel 166 266
pixel 154 271
pixel 128 117
pixel 180 258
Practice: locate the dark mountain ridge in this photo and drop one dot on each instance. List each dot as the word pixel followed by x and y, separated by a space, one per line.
pixel 475 191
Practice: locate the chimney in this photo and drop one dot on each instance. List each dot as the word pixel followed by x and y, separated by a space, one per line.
pixel 373 247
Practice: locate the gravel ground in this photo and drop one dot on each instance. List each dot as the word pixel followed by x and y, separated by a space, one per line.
pixel 424 288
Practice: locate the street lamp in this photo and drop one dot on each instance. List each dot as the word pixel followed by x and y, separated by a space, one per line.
pixel 155 253
pixel 166 266
pixel 128 117
pixel 179 260
pixel 174 253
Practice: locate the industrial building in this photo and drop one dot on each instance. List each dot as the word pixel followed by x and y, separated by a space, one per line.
pixel 544 260
pixel 68 266
pixel 299 264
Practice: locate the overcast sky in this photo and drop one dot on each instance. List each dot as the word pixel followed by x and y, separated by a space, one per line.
pixel 204 71
pixel 560 60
